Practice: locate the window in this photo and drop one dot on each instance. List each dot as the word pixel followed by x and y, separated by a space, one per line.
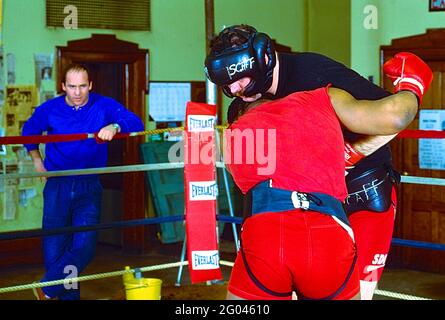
pixel 101 14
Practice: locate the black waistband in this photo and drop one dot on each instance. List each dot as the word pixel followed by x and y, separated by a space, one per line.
pixel 377 172
pixel 371 190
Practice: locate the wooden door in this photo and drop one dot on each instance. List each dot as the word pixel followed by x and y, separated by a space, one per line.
pixel 421 208
pixel 108 80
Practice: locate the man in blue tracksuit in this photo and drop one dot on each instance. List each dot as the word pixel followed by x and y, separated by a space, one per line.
pixel 73 200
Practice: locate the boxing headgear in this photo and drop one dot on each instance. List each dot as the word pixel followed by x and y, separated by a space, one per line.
pixel 246 60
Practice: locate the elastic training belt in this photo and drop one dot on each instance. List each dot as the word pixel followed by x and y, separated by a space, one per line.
pixel 268 199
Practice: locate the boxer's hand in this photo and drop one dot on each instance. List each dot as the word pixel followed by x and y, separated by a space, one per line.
pixel 409 72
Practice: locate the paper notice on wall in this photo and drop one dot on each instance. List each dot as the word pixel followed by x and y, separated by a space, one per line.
pixel 167 100
pixel 20 103
pixel 432 151
pixel 10 64
pixel 43 67
pixel 25 195
pixel 44 76
pixel 10 201
pixel 10 189
pixel 24 165
pixel 2 79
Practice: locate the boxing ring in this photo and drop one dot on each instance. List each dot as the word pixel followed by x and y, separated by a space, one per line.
pixel 232 219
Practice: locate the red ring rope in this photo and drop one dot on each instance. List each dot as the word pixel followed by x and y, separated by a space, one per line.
pixel 35 139
pixel 425 134
pixel 418 134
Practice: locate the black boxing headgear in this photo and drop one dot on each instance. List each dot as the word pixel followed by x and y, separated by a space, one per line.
pixel 245 60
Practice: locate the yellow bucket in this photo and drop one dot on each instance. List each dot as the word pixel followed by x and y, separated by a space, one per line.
pixel 143 289
pixel 127 277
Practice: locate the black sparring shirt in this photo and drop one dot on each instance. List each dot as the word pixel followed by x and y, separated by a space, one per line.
pixel 309 71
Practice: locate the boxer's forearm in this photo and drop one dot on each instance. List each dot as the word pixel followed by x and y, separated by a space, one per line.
pixel 369 144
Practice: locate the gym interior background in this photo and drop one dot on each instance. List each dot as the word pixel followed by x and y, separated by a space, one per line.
pixel 168 46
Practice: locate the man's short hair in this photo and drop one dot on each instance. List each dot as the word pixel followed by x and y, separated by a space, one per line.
pixel 75 67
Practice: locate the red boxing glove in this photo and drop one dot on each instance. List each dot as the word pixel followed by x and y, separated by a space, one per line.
pixel 352 156
pixel 409 72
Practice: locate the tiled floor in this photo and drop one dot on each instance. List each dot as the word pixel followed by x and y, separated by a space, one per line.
pixel 109 259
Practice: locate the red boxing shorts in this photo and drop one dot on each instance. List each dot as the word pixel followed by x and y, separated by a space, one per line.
pixel 373 234
pixel 294 250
